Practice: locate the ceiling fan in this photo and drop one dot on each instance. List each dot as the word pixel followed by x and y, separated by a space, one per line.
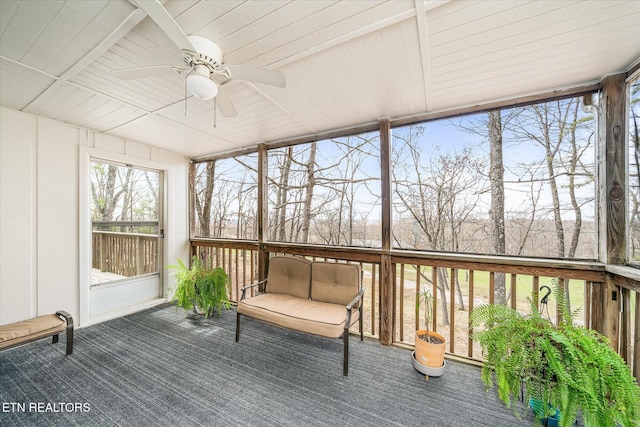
pixel 203 59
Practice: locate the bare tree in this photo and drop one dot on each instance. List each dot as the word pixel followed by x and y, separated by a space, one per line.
pixel 345 178
pixel 205 181
pixel 283 192
pixel 225 197
pixel 566 137
pixel 116 191
pixel 496 179
pixel 103 191
pixel 309 189
pixel 438 193
pixel 314 196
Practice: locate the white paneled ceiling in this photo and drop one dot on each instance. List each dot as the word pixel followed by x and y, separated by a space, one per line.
pixel 347 63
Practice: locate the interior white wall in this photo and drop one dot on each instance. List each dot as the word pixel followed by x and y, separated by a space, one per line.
pixel 44 211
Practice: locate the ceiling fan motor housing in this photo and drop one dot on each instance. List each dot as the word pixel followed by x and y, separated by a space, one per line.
pixel 207 53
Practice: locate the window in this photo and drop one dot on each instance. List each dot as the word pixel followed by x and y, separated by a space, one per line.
pixel 125 220
pixel 516 181
pixel 326 192
pixel 226 194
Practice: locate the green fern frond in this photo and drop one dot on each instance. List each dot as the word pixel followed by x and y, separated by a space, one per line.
pixel 571 368
pixel 199 286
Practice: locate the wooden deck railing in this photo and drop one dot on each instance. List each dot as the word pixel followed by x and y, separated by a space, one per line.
pixel 459 283
pixel 238 259
pixel 125 254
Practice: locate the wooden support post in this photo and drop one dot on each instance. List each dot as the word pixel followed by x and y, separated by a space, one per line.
pixel 611 202
pixel 597 298
pixel 386 270
pixel 605 310
pixel 263 218
pixel 612 166
pixel 612 306
pixel 625 325
pixel 386 300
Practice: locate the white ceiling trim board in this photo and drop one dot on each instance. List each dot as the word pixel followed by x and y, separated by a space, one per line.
pixel 143 112
pixel 280 107
pixel 428 5
pixel 421 20
pixel 29 67
pixel 169 121
pixel 178 124
pixel 403 16
pixel 127 25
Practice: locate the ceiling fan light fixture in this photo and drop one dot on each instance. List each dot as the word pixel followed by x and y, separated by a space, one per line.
pixel 201 86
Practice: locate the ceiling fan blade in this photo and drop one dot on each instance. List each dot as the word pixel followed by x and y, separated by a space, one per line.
pixel 167 24
pixel 224 104
pixel 256 75
pixel 141 72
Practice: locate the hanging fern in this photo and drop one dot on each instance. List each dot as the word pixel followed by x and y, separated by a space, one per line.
pixel 572 368
pixel 208 289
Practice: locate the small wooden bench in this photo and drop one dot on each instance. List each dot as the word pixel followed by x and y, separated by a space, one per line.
pixel 25 331
pixel 320 298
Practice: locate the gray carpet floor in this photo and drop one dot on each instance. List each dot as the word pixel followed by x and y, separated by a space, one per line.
pixel 162 368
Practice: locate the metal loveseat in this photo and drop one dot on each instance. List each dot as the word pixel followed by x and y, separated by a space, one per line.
pixel 320 298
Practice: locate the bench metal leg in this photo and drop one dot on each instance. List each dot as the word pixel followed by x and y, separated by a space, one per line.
pixel 345 359
pixel 361 328
pixel 69 336
pixel 237 326
pixel 67 317
pixel 345 362
pixel 55 339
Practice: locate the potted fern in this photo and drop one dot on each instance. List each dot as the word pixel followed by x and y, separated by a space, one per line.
pixel 428 357
pixel 203 289
pixel 560 369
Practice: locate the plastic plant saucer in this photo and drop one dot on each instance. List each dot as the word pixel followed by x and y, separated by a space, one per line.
pixel 427 370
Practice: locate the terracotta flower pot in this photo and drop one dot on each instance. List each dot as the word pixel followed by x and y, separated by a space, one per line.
pixel 427 353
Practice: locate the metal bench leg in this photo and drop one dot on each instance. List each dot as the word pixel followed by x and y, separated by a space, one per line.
pixel 237 326
pixel 54 339
pixel 345 360
pixel 67 317
pixel 69 337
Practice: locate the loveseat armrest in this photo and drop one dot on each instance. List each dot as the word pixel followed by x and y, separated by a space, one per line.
pixel 253 285
pixel 66 316
pixel 356 299
pixel 347 323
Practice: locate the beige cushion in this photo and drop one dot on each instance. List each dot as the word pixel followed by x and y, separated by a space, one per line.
pixel 31 329
pixel 289 275
pixel 336 283
pixel 312 317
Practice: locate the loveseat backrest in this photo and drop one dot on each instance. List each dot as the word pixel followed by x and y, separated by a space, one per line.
pixel 289 275
pixel 336 283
